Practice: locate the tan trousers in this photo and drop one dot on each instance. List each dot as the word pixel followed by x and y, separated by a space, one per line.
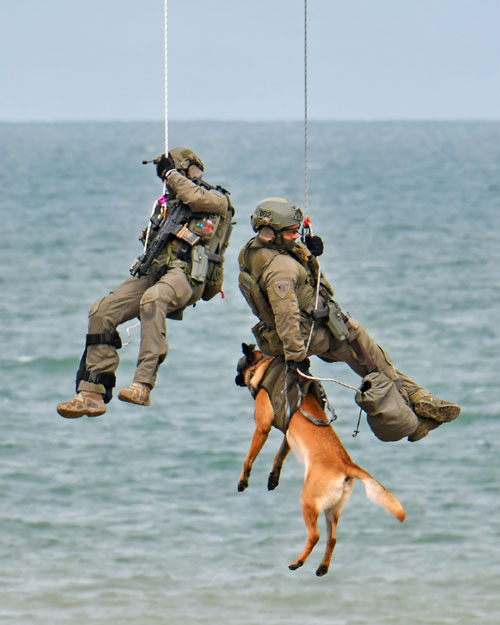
pixel 149 300
pixel 327 348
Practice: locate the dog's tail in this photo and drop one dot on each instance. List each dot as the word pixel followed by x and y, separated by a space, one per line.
pixel 378 493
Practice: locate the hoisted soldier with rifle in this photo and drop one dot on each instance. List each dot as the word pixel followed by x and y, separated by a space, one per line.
pixel 182 262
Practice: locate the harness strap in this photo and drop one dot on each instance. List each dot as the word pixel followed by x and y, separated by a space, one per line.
pixel 95 377
pixel 316 421
pixel 292 393
pixel 108 380
pixel 106 338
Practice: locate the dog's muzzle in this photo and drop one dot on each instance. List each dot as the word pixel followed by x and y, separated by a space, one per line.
pixel 240 380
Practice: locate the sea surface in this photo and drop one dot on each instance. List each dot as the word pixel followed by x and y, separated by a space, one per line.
pixel 134 518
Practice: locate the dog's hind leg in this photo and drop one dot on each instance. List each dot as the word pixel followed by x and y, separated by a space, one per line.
pixel 279 459
pixel 310 514
pixel 264 416
pixel 332 516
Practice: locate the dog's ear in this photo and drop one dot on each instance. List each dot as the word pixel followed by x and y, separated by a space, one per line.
pixel 249 351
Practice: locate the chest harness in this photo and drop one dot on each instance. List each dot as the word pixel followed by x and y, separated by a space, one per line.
pixel 286 390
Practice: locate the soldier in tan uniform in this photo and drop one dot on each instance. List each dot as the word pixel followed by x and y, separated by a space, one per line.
pixel 164 291
pixel 278 277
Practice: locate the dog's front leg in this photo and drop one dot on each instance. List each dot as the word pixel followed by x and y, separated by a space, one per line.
pixel 264 417
pixel 279 459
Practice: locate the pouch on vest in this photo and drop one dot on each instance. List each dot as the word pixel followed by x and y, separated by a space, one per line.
pixel 218 244
pixel 252 292
pixel 199 263
pixel 388 415
pixel 267 339
pixel 204 225
pixel 335 322
pixel 215 280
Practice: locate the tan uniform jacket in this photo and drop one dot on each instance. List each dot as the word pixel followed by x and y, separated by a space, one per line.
pixel 289 287
pixel 199 199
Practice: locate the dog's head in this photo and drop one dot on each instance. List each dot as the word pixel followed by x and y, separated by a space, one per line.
pixel 250 357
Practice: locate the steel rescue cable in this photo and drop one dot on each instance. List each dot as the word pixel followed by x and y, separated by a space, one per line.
pixel 307 221
pixel 306 122
pixel 165 51
pixel 165 75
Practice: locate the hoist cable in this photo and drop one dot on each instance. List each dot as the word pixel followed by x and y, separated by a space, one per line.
pixel 165 49
pixel 306 170
pixel 165 54
pixel 306 122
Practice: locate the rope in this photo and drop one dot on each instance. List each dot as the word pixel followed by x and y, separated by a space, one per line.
pixel 306 121
pixel 129 333
pixel 166 74
pixel 310 377
pixel 165 53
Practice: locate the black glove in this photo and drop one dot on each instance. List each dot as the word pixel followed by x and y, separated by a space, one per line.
pixel 302 365
pixel 163 166
pixel 314 245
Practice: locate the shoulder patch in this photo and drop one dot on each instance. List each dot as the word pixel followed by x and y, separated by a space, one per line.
pixel 282 288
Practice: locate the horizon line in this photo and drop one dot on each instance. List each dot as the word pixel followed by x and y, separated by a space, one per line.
pixel 254 121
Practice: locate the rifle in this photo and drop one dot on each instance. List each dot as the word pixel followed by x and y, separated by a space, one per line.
pixel 174 222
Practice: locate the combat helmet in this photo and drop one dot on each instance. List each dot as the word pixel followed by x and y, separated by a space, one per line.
pixel 276 213
pixel 184 157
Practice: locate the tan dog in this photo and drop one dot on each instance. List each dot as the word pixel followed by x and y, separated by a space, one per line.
pixel 329 471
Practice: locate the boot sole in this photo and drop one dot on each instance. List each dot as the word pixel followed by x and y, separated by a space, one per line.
pixel 441 414
pixel 76 414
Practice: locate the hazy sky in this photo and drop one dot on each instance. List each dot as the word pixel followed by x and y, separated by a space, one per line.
pixel 230 59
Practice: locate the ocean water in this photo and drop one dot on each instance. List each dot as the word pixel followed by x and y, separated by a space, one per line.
pixel 134 518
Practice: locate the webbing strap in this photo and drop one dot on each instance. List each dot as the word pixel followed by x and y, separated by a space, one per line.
pixel 95 377
pixel 106 338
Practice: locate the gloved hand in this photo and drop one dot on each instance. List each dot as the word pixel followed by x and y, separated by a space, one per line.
pixel 314 245
pixel 302 365
pixel 163 166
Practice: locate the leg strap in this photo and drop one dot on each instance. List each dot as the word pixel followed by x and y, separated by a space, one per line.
pixel 108 380
pixel 106 338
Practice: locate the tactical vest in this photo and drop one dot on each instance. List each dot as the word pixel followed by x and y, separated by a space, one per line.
pixel 204 261
pixel 249 283
pixel 217 245
pixel 286 390
pixel 250 276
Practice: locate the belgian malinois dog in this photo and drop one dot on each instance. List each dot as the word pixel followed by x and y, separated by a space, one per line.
pixel 329 471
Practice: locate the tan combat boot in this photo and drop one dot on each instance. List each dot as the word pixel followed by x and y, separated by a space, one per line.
pixel 136 393
pixel 423 428
pixel 434 408
pixel 85 403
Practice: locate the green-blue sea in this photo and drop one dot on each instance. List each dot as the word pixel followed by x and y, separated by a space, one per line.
pixel 134 518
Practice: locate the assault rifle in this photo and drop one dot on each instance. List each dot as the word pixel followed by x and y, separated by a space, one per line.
pixel 173 224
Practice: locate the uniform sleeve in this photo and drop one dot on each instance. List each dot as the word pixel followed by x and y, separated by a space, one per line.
pixel 199 199
pixel 280 281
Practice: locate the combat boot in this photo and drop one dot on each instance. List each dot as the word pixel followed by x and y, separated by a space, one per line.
pixel 85 403
pixel 423 428
pixel 136 393
pixel 433 408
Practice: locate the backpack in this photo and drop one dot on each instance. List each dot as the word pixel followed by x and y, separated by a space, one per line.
pixel 218 245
